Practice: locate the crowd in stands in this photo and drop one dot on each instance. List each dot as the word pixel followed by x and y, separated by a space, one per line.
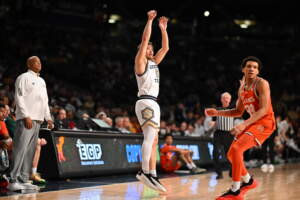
pixel 89 74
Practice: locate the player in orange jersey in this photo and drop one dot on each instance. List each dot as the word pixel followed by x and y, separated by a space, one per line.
pixel 254 97
pixel 172 158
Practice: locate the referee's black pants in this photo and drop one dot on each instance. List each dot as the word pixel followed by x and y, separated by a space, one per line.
pixel 221 141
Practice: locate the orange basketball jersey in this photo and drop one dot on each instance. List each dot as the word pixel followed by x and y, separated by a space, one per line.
pixel 263 127
pixel 166 162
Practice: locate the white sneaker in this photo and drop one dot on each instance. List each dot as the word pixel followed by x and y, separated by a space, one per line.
pixel 158 184
pixel 146 179
pixel 264 168
pixel 271 168
pixel 29 186
pixel 197 170
pixel 15 186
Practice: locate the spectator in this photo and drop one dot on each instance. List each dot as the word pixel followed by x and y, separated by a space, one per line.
pixel 163 128
pixel 85 123
pixel 71 119
pixel 179 113
pixel 10 121
pixel 61 121
pixel 190 130
pixel 128 126
pixel 119 124
pixel 5 145
pixel 183 128
pixel 190 117
pixel 174 129
pixel 5 139
pixel 199 127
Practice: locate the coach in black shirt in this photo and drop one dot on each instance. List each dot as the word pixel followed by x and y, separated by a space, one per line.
pixel 222 137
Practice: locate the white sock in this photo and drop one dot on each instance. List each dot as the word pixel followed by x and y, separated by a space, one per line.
pixel 153 173
pixel 193 164
pixel 246 178
pixel 149 136
pixel 236 186
pixel 33 170
pixel 189 165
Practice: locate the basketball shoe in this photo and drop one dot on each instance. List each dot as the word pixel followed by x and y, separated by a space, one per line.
pixel 146 179
pixel 36 178
pixel 230 195
pixel 248 186
pixel 158 184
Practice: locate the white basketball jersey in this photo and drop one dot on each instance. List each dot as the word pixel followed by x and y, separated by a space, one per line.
pixel 148 82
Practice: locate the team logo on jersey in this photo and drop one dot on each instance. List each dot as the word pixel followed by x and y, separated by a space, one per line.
pixel 249 100
pixel 147 113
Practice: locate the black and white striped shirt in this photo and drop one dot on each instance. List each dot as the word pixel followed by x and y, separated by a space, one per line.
pixel 224 123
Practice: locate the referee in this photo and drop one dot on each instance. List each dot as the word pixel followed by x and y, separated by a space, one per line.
pixel 222 138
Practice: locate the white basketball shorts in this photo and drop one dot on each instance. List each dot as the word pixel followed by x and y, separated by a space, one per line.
pixel 148 112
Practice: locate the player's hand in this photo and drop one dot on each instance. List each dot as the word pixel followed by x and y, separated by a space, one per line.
pixel 211 112
pixel 163 22
pixel 50 124
pixel 28 122
pixel 151 14
pixel 42 141
pixel 238 129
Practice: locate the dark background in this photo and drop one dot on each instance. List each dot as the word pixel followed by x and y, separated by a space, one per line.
pixel 85 56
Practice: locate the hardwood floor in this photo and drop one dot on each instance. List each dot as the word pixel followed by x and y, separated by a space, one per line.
pixel 283 184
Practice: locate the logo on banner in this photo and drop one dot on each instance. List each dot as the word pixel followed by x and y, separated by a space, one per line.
pixel 90 154
pixel 134 153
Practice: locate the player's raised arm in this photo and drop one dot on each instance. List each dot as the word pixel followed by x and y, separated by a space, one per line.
pixel 163 22
pixel 140 59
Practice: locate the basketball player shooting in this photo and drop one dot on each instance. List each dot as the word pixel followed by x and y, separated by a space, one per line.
pixel 254 97
pixel 146 107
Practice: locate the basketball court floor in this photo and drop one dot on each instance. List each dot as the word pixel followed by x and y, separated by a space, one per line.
pixel 283 184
